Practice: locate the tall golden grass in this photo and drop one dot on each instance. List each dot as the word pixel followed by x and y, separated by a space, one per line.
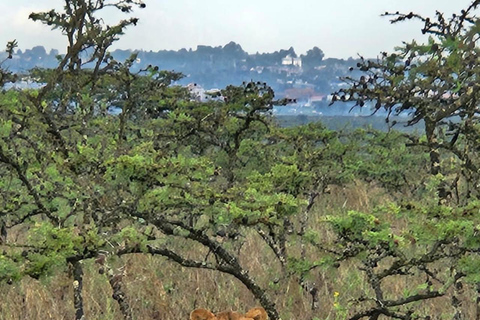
pixel 158 289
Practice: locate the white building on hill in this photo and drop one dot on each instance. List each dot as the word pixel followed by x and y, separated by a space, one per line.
pixel 291 61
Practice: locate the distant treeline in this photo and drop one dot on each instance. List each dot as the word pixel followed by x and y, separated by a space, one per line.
pixel 217 67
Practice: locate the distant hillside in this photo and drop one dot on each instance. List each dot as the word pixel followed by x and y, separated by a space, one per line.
pixel 309 78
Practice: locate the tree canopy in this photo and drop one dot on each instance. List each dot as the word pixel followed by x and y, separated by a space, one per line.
pixel 100 161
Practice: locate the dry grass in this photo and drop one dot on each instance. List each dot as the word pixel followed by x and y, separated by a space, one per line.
pixel 161 290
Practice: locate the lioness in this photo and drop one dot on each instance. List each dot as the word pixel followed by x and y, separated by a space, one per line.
pixel 253 314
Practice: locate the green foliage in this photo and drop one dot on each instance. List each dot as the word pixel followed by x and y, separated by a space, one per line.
pixel 434 83
pixel 130 237
pixel 169 174
pixel 9 270
pixel 357 227
pixel 301 266
pixel 384 157
pixel 469 265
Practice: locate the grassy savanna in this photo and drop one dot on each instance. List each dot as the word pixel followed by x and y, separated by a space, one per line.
pixel 174 204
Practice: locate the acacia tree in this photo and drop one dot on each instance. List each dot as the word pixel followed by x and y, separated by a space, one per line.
pixel 434 83
pixel 168 173
pixel 79 182
pixel 43 138
pixel 164 173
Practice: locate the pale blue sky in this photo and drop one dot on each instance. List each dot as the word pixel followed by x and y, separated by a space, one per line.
pixel 341 28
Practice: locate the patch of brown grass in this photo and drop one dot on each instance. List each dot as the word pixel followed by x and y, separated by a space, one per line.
pixel 161 290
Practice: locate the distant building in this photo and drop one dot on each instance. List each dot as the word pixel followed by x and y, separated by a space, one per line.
pixel 198 93
pixel 291 61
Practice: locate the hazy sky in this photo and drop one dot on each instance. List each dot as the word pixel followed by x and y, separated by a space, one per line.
pixel 341 28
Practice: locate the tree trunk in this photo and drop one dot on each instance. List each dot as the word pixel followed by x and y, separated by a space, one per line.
pixel 309 286
pixel 230 263
pixel 118 294
pixel 77 290
pixel 435 169
pixel 432 142
pixel 477 315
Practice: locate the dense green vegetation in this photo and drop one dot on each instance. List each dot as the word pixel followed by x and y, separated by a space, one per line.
pixel 309 222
